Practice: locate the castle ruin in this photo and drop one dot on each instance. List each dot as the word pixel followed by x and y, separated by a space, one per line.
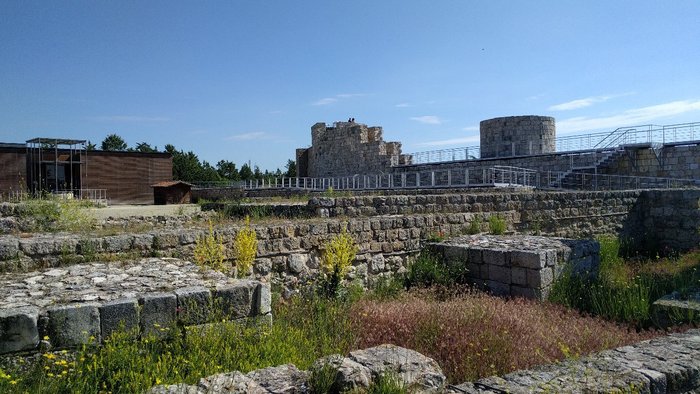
pixel 347 148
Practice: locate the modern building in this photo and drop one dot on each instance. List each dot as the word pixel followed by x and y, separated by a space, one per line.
pixel 66 166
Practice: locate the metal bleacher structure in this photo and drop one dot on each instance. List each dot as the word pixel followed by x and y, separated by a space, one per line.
pixel 588 156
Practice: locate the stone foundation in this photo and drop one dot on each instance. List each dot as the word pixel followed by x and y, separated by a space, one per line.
pixel 521 266
pixel 67 307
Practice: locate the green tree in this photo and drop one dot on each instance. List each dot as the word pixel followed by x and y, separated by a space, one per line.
pixel 246 173
pixel 291 168
pixel 114 142
pixel 144 147
pixel 188 168
pixel 90 146
pixel 228 170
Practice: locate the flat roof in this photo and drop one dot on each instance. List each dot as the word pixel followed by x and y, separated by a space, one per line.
pixel 57 141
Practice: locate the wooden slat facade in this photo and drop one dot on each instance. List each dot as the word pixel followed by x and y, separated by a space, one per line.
pixel 13 169
pixel 127 176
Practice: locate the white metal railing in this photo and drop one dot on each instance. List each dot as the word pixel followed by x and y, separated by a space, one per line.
pixel 644 134
pixel 460 177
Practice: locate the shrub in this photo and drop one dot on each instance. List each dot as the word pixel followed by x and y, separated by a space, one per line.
pixel 338 255
pixel 209 250
pixel 245 246
pixel 497 225
pixel 58 214
pixel 428 270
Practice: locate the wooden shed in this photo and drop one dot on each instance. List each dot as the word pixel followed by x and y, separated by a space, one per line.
pixel 172 192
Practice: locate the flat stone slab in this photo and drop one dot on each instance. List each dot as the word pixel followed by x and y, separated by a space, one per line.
pixel 103 282
pixel 677 308
pixel 87 302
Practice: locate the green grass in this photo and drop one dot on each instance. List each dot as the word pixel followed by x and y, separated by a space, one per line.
pixel 625 289
pixel 301 332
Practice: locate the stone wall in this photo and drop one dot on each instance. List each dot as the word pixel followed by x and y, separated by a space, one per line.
pixel 671 161
pixel 517 136
pixel 390 229
pixel 347 148
pixel 71 306
pixel 519 266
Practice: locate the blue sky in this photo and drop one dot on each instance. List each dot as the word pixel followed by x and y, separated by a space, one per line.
pixel 245 80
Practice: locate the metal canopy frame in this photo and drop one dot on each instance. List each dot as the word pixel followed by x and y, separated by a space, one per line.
pixel 44 152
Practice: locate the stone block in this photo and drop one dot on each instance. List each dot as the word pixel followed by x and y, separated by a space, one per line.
pixel 525 292
pixel 538 279
pixel 158 313
pixel 473 270
pixel 377 264
pixel 493 257
pixel 122 314
pixel 500 274
pixel 74 325
pixel 518 276
pixel 297 263
pixel 18 329
pixel 9 249
pixel 528 259
pixel 498 288
pixel 194 305
pixel 474 256
pixel 236 300
pixel 263 300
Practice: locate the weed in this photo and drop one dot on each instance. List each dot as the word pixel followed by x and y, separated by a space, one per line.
pixel 245 247
pixel 497 225
pixel 338 255
pixel 427 270
pixel 436 236
pixel 209 250
pixel 322 379
pixel 474 226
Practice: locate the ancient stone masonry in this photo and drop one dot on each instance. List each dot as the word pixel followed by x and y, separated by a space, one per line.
pixel 517 136
pixel 347 148
pixel 516 265
pixel 663 365
pixel 390 229
pixel 667 364
pixel 67 307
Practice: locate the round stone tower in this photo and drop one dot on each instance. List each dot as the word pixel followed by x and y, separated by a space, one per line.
pixel 517 136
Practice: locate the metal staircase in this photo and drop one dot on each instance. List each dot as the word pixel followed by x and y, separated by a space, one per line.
pixel 607 157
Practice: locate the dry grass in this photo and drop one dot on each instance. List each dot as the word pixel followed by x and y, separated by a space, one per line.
pixel 473 335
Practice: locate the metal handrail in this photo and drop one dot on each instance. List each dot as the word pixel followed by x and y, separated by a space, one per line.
pixel 650 134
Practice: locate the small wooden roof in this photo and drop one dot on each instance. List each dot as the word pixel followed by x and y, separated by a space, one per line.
pixel 170 183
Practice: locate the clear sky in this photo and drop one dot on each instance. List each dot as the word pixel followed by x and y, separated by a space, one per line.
pixel 245 80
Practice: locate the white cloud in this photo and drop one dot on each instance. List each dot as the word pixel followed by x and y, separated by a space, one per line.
pixel 130 118
pixel 349 95
pixel 452 141
pixel 325 101
pixel 403 105
pixel 630 117
pixel 585 102
pixel 580 103
pixel 336 98
pixel 256 135
pixel 427 119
